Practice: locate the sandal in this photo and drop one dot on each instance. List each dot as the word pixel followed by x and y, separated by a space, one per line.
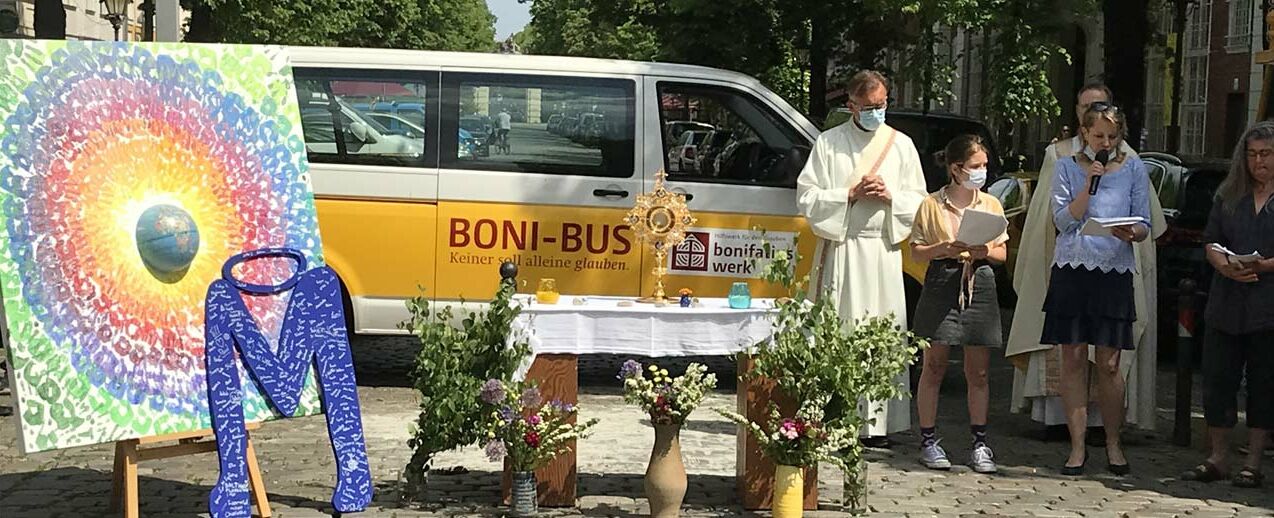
pixel 1248 478
pixel 1204 472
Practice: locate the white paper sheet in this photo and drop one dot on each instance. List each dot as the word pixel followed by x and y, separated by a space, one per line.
pixel 1237 258
pixel 1102 226
pixel 980 228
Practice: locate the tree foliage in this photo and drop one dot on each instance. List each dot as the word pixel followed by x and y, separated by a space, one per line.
pixel 782 43
pixel 412 24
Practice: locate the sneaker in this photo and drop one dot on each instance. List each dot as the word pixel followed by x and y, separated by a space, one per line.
pixel 983 459
pixel 933 456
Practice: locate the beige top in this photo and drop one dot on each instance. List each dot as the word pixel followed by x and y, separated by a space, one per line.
pixel 938 219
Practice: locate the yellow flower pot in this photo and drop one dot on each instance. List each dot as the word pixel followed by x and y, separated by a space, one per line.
pixel 789 492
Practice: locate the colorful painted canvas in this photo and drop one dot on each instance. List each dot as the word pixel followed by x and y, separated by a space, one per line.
pixel 129 174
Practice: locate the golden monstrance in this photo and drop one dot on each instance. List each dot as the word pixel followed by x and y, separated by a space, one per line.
pixel 660 219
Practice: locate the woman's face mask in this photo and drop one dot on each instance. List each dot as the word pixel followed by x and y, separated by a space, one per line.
pixel 976 179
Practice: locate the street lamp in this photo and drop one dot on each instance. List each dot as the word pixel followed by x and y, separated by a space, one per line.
pixel 116 11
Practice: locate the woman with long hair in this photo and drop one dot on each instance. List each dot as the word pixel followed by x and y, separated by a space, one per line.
pixel 1239 342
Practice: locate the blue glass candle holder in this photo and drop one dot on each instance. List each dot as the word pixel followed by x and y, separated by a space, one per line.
pixel 740 296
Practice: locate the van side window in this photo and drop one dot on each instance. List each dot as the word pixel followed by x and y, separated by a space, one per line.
pixel 375 117
pixel 716 134
pixel 538 124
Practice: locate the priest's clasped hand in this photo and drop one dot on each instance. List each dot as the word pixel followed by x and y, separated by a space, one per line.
pixel 872 188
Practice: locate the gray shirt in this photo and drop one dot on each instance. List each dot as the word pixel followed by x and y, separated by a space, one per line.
pixel 1237 307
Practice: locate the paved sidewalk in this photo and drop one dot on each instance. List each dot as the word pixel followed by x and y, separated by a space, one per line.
pixel 299 472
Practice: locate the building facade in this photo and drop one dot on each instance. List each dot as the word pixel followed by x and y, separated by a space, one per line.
pixel 1221 81
pixel 85 21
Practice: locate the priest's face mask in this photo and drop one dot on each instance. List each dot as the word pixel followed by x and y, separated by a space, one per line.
pixel 869 107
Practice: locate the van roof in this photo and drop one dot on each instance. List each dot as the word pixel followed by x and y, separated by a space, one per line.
pixel 340 57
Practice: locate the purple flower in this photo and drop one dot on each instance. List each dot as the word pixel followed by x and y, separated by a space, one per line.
pixel 557 405
pixel 534 419
pixel 495 451
pixel 492 392
pixel 531 397
pixel 630 369
pixel 508 415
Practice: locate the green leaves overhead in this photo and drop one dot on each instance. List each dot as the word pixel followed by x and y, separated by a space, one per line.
pixel 410 24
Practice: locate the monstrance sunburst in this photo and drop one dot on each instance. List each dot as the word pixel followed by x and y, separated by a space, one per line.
pixel 660 219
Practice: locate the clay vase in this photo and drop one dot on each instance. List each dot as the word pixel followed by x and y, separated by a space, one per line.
pixel 789 492
pixel 666 473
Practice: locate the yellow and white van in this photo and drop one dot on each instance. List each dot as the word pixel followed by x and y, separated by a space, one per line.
pixel 400 211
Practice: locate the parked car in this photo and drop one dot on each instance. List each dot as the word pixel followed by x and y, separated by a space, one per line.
pixel 361 136
pixel 479 127
pixel 1187 191
pixel 400 125
pixel 707 151
pixel 681 156
pixel 674 129
pixel 555 122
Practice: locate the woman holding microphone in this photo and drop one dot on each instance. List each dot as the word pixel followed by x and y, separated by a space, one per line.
pixel 1090 295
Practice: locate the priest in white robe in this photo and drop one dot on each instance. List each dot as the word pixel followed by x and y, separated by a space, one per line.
pixel 859 192
pixel 1037 367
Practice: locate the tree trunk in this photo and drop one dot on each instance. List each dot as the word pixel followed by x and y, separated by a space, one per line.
pixel 147 10
pixel 926 86
pixel 1127 32
pixel 818 69
pixel 200 28
pixel 1178 27
pixel 50 20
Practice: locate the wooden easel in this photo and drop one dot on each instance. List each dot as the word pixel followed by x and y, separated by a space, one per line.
pixel 128 455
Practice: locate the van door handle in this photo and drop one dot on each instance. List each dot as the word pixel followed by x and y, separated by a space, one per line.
pixel 606 193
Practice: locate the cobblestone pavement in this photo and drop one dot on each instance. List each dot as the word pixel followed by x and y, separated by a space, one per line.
pixel 299 473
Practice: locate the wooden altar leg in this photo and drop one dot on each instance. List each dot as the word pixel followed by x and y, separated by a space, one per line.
pixel 754 473
pixel 558 377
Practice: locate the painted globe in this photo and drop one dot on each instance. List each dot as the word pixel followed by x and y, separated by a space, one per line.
pixel 167 239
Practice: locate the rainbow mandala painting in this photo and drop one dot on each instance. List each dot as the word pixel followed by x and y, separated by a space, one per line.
pixel 128 175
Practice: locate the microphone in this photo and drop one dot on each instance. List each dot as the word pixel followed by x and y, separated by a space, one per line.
pixel 1103 156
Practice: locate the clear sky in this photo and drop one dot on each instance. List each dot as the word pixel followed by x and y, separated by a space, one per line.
pixel 511 16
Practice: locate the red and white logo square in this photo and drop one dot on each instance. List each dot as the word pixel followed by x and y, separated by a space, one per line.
pixel 692 253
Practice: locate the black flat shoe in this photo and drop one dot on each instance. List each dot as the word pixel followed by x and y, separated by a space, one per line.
pixel 1119 469
pixel 1072 471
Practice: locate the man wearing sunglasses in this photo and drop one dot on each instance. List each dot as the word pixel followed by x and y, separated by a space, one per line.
pixel 1037 367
